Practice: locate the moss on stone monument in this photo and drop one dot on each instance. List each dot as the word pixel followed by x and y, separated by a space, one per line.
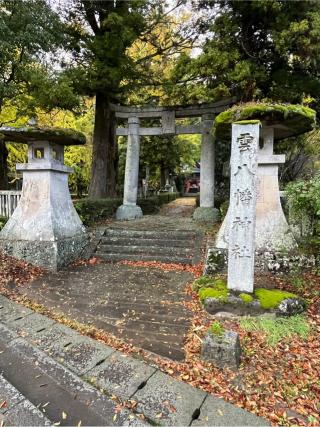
pixel 56 135
pixel 297 119
pixel 219 291
pixel 271 298
pixel 246 298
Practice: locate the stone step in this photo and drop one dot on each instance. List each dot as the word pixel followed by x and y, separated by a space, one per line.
pixel 140 241
pixel 155 234
pixel 60 394
pixel 115 257
pixel 146 250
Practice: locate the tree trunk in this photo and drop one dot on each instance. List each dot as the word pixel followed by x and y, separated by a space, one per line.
pixel 105 151
pixel 3 166
pixel 162 176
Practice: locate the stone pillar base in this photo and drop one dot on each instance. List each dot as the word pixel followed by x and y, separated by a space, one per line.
pixel 128 212
pixel 202 214
pixel 265 262
pixel 49 255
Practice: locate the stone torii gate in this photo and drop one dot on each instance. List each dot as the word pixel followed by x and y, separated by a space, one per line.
pixel 168 115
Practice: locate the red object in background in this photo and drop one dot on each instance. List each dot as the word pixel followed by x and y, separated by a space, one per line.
pixel 192 185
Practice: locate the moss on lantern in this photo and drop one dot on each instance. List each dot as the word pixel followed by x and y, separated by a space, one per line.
pixel 59 136
pixel 288 120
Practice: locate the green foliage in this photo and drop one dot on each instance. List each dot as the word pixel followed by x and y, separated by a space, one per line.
pixel 271 298
pixel 297 118
pixel 304 201
pixel 253 50
pixel 216 329
pixel 246 298
pixel 3 221
pixel 203 281
pixel 278 329
pixel 91 210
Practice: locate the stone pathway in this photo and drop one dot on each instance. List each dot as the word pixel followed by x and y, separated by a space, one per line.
pixel 51 374
pixel 142 305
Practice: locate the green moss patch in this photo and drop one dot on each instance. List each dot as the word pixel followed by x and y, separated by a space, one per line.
pixel 219 292
pixel 248 122
pixel 294 119
pixel 272 298
pixel 202 282
pixel 246 298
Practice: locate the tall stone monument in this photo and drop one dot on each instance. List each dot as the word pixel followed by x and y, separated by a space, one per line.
pixel 45 228
pixel 277 122
pixel 242 208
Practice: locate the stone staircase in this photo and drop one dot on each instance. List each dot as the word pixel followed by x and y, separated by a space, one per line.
pixel 168 246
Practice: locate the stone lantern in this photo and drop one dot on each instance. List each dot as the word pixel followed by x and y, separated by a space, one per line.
pixel 45 228
pixel 278 121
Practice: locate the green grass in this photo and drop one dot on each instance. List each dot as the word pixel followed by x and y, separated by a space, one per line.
pixel 277 329
pixel 216 328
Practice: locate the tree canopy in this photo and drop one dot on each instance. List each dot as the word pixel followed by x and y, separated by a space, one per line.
pixel 254 50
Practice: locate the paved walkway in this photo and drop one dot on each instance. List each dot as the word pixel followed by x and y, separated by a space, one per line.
pixel 51 374
pixel 144 306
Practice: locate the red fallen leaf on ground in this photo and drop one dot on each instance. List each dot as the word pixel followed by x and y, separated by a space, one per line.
pixel 3 404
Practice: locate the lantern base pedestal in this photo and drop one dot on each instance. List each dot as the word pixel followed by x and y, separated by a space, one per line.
pixel 50 255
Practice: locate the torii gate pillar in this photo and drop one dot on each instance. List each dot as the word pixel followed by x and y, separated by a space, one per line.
pixel 207 212
pixel 129 209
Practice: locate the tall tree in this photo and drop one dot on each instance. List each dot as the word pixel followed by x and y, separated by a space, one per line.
pixel 101 36
pixel 254 49
pixel 29 30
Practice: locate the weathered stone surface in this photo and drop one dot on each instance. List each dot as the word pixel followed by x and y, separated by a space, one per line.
pixel 129 210
pixel 291 307
pixel 167 401
pixel 83 355
pixel 217 412
pixel 9 394
pixel 56 135
pixel 272 230
pixel 115 298
pixel 6 334
pixel 31 324
pixel 234 305
pixel 242 207
pixel 12 311
pixel 207 169
pixel 43 380
pixel 216 261
pixel 45 228
pixel 265 261
pixel 206 215
pixel 222 350
pixel 26 414
pixel 55 338
pixel 120 375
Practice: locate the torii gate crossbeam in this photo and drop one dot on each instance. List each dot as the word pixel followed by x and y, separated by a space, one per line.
pixel 129 209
